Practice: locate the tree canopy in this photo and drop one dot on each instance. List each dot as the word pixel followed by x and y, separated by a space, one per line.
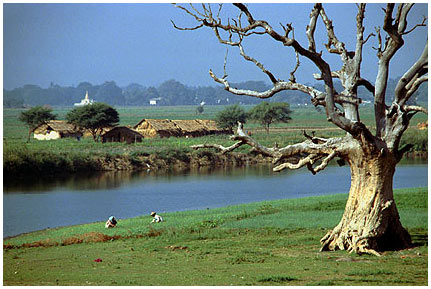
pixel 94 118
pixel 229 117
pixel 267 113
pixel 36 116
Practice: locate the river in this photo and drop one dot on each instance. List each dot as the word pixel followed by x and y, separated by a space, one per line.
pixel 90 198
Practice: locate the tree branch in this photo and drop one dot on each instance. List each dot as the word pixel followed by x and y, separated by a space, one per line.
pixel 406 86
pixel 221 148
pixel 312 27
pixel 415 108
pixel 258 64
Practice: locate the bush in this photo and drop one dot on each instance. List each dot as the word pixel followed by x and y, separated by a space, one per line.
pixel 418 138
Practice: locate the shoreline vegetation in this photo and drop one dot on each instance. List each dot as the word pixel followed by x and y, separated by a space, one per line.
pixel 19 162
pixel 262 243
pixel 68 156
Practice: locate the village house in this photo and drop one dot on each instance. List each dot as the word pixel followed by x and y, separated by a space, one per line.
pixel 157 127
pixel 122 134
pixel 188 128
pixel 55 129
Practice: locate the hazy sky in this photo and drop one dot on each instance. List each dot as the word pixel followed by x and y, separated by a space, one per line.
pixel 136 43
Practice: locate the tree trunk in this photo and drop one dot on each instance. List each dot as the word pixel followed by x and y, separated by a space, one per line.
pixel 370 223
pixel 29 134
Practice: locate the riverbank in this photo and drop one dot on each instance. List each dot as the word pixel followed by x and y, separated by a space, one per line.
pixel 19 163
pixel 264 243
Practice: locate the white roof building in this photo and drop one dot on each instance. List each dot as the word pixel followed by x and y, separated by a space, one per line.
pixel 85 101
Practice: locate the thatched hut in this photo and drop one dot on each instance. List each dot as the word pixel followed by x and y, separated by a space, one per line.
pixel 87 132
pixel 211 127
pixel 122 134
pixel 55 129
pixel 190 127
pixel 157 127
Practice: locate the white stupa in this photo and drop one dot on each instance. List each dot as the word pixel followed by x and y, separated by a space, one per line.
pixel 84 101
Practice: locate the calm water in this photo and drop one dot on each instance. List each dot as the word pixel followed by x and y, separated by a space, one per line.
pixel 90 198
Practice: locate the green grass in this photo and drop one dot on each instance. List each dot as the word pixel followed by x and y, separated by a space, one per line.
pixel 264 243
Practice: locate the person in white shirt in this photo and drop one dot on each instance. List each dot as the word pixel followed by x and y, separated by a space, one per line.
pixel 156 218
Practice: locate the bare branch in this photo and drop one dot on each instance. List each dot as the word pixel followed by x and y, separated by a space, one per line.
pixel 292 74
pixel 221 148
pixel 278 86
pixel 415 108
pixel 368 37
pixel 224 65
pixel 324 163
pixel 316 140
pixel 411 80
pixel 334 74
pixel 368 85
pixel 258 64
pixel 332 39
pixel 416 26
pixel 312 27
pixel 186 28
pixel 309 160
pixel 189 12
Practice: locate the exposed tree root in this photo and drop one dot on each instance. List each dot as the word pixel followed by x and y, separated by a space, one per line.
pixel 394 238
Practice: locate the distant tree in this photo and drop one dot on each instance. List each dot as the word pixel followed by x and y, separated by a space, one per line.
pixel 267 113
pixel 12 99
pixel 93 117
pixel 199 109
pixel 229 117
pixel 110 93
pixel 36 116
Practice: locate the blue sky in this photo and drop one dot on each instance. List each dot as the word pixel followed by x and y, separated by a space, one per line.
pixel 135 43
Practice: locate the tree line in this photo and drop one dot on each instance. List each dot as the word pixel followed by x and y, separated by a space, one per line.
pixel 170 92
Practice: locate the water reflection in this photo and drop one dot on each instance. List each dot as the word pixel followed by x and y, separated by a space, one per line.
pixel 110 180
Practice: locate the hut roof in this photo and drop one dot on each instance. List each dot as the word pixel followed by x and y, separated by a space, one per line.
pixel 122 128
pixel 56 125
pixel 189 125
pixel 210 125
pixel 158 124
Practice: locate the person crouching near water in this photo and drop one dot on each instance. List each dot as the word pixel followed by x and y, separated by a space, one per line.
pixel 111 223
pixel 156 218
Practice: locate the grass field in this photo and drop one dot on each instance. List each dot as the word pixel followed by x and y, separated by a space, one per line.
pixel 265 243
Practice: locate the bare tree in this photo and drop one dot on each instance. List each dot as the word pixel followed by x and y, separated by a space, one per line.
pixel 370 223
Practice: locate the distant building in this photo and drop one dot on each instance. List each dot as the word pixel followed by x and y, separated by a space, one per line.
pixel 85 101
pixel 154 101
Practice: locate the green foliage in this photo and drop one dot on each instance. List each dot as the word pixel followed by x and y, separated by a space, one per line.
pixel 93 117
pixel 209 224
pixel 36 116
pixel 229 117
pixel 418 138
pixel 267 113
pixel 173 154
